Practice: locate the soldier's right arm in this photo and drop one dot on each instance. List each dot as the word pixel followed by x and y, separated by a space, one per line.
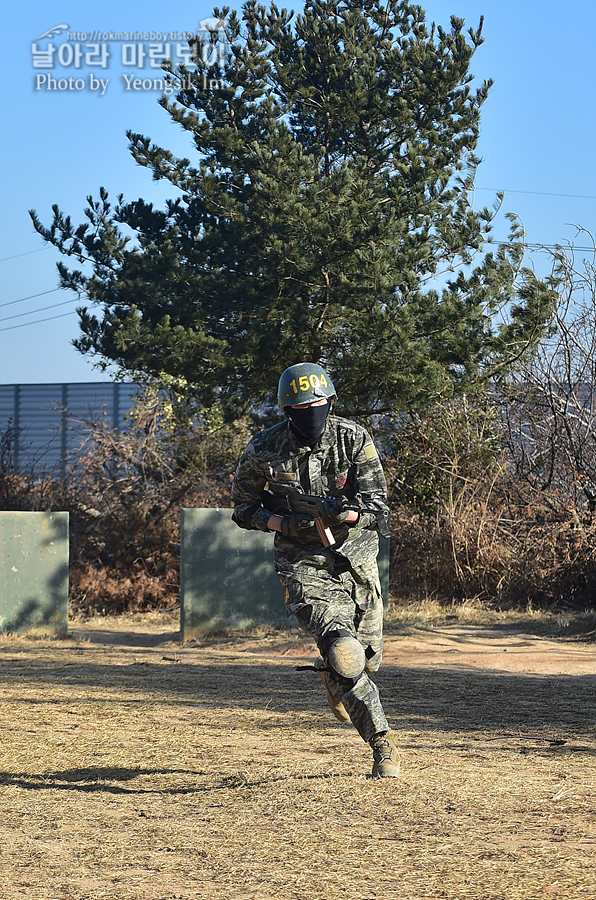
pixel 249 480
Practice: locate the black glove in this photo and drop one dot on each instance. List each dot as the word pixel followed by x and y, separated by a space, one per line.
pixel 296 525
pixel 333 511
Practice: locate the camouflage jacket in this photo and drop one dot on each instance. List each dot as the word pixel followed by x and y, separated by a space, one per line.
pixel 344 463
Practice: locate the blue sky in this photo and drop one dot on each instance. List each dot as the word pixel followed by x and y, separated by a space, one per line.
pixel 538 142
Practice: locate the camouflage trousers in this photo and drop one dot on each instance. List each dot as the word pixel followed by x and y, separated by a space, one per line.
pixel 323 603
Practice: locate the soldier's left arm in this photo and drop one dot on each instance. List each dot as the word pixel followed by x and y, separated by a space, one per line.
pixel 369 479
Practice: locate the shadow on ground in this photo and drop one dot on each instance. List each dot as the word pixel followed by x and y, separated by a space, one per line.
pixel 101 780
pixel 109 637
pixel 415 698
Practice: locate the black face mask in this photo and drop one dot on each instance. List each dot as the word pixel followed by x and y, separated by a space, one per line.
pixel 308 423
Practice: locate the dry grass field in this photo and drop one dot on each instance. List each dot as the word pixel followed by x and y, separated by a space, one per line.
pixel 133 768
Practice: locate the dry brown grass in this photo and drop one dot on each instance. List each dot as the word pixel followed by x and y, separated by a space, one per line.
pixel 563 624
pixel 158 772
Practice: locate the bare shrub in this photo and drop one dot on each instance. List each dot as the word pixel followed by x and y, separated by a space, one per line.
pixel 463 527
pixel 34 490
pixel 548 408
pixel 495 496
pixel 444 471
pixel 549 399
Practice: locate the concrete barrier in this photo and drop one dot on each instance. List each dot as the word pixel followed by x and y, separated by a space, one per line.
pixel 227 575
pixel 34 572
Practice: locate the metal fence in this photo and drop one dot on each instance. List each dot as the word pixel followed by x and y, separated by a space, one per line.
pixel 49 422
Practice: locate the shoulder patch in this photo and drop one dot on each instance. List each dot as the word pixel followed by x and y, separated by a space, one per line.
pixel 370 451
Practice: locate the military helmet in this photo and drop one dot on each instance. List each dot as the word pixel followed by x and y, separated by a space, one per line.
pixel 304 383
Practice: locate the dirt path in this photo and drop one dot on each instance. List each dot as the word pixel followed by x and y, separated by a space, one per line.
pixel 134 768
pixel 497 648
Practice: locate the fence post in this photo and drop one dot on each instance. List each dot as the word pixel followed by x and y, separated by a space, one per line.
pixel 17 425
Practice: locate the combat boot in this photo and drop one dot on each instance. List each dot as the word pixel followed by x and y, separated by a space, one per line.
pixel 337 707
pixel 385 756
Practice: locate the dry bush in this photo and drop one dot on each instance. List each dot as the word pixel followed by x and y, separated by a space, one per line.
pixel 447 533
pixel 548 415
pixel 465 525
pixel 548 401
pixel 494 496
pixel 22 491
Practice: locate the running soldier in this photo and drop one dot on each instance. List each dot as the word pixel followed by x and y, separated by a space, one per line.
pixel 330 571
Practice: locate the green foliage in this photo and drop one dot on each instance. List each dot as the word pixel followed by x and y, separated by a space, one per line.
pixel 331 184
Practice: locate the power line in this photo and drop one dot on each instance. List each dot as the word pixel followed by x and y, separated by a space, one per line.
pixel 41 309
pixel 32 297
pixel 533 246
pixel 37 321
pixel 17 255
pixel 538 193
pixel 571 247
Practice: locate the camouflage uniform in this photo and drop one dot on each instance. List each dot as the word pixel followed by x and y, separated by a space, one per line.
pixel 326 589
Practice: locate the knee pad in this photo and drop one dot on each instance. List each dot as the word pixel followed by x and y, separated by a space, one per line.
pixel 345 654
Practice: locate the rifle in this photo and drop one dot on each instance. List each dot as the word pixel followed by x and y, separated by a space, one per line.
pixel 295 502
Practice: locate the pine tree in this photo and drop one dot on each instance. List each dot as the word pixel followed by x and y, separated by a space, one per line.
pixel 334 165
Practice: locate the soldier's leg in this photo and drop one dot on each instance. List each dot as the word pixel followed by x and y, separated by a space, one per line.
pixel 346 678
pixel 369 624
pixel 325 607
pixel 369 629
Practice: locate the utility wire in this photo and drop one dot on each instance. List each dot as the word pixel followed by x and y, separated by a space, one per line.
pixel 41 309
pixel 22 300
pixel 537 193
pixel 37 321
pixel 571 247
pixel 17 255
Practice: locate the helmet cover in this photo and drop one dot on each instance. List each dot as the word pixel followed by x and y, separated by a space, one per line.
pixel 304 383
